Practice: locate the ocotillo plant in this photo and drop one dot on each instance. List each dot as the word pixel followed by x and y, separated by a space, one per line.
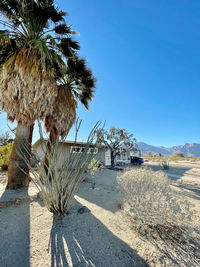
pixel 59 184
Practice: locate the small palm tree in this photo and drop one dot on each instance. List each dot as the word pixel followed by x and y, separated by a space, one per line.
pixel 31 49
pixel 76 85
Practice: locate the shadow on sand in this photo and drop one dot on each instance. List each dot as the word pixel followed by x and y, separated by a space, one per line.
pixel 88 244
pixel 189 191
pixel 175 174
pixel 15 232
pixel 102 190
pixel 176 244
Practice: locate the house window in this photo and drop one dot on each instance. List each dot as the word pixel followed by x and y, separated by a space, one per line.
pixel 76 149
pixel 93 150
pixel 124 156
pixel 118 156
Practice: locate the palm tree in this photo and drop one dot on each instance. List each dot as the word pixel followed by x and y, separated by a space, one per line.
pixel 76 85
pixel 32 45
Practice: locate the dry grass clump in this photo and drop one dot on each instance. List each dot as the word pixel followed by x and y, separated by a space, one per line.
pixel 150 200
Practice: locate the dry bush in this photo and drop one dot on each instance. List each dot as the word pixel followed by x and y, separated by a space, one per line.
pixel 161 215
pixel 150 200
pixel 164 163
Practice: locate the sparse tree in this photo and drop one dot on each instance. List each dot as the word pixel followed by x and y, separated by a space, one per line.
pixel 5 138
pixel 178 154
pixel 117 140
pixel 149 154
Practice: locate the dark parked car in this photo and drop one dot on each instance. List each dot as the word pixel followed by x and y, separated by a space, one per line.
pixel 137 160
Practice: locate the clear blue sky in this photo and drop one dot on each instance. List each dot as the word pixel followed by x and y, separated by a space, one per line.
pixel 146 57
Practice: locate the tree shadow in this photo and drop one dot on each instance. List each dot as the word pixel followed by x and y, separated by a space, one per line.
pixel 15 230
pixel 174 173
pixel 176 244
pixel 88 243
pixel 189 191
pixel 102 190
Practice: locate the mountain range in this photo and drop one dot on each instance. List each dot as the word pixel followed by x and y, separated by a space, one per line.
pixel 187 149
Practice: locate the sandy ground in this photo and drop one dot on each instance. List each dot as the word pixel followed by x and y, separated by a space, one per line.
pixel 178 163
pixel 104 236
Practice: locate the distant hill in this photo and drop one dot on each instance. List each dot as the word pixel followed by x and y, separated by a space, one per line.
pixel 186 149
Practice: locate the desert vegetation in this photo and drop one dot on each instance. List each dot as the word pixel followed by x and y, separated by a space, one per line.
pixel 34 45
pixel 117 141
pixel 164 163
pixel 59 185
pixel 148 196
pixel 5 149
pixel 158 211
pixel 44 78
pixel 5 152
pixel 172 158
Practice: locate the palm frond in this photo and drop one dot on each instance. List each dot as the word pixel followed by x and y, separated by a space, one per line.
pixel 62 29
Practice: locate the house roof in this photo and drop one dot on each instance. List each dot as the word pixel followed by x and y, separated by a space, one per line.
pixel 39 141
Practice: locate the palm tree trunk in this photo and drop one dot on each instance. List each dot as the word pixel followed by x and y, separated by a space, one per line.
pixel 53 136
pixel 29 155
pixel 17 168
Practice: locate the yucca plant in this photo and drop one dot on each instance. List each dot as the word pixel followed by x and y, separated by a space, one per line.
pixel 32 43
pixel 58 185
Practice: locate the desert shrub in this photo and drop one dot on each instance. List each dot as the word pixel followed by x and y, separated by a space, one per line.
pixel 120 163
pixel 5 152
pixel 164 163
pixel 177 155
pixel 150 200
pixel 149 154
pixel 94 166
pixel 58 185
pixel 161 214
